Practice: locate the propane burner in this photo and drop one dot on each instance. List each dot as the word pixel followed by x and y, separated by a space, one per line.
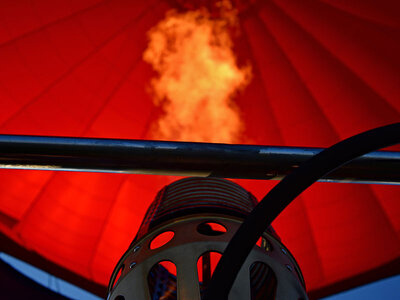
pixel 182 237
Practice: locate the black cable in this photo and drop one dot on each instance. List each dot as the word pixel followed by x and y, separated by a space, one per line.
pixel 283 194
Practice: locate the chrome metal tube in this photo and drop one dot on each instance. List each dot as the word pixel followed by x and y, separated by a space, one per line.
pixel 183 158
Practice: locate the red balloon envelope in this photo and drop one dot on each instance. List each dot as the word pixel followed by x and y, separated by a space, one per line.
pixel 321 71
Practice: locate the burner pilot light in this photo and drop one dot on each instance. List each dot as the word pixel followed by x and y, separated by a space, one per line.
pixel 183 234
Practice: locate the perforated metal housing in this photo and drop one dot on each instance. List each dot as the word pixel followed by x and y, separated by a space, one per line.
pixel 270 271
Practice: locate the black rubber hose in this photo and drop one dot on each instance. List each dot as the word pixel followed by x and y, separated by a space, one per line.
pixel 284 193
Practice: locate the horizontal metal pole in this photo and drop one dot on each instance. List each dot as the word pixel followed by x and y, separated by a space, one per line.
pixel 183 158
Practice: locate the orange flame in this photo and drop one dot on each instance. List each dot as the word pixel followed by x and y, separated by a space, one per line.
pixel 198 77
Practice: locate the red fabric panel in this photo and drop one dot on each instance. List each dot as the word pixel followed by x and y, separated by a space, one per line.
pixel 322 71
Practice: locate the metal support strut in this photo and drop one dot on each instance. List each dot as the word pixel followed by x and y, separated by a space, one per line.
pixel 183 158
